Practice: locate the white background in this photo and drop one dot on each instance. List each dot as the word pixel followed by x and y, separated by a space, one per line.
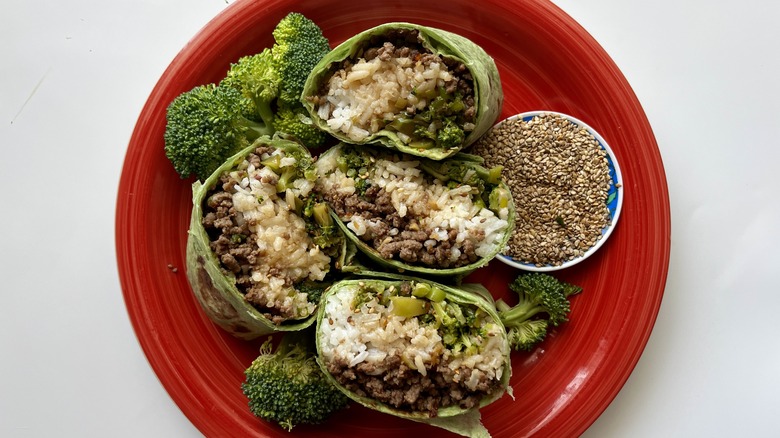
pixel 75 74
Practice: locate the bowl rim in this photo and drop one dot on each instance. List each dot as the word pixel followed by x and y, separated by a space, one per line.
pixel 617 183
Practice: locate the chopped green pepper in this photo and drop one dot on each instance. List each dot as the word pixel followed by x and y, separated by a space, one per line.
pixel 407 307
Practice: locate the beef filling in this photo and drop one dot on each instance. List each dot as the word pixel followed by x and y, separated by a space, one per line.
pixel 401 237
pixel 406 389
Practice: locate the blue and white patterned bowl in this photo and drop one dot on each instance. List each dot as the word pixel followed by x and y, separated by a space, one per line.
pixel 614 197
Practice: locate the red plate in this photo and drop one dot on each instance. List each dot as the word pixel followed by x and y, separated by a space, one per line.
pixel 546 61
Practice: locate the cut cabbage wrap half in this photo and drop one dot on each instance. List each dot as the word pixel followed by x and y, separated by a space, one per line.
pixel 412 214
pixel 418 89
pixel 414 349
pixel 260 246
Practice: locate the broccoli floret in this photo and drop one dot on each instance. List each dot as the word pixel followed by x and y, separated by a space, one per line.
pixel 450 135
pixel 287 386
pixel 281 71
pixel 299 47
pixel 260 95
pixel 436 126
pixel 289 174
pixel 464 170
pixel 525 336
pixel 266 77
pixel 257 78
pixel 297 123
pixel 543 302
pixel 362 185
pixel 457 326
pixel 205 126
pixel 303 162
pixel 351 161
pixel 421 132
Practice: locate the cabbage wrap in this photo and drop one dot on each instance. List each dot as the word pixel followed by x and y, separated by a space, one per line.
pixel 410 214
pixel 414 349
pixel 261 247
pixel 421 90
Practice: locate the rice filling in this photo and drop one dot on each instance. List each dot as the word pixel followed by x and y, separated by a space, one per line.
pixel 418 363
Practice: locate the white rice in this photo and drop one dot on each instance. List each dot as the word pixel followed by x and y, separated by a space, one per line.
pixel 290 254
pixel 371 334
pixel 362 97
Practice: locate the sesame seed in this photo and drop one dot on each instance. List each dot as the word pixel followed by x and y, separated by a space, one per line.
pixel 559 179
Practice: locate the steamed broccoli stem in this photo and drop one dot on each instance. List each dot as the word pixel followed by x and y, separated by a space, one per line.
pixel 286 386
pixel 494 174
pixel 322 215
pixel 256 79
pixel 543 302
pixel 320 225
pixel 267 115
pixel 523 311
pixel 422 144
pixel 274 162
pixel 425 290
pixel 205 126
pixel 286 179
pixel 254 130
pixel 403 125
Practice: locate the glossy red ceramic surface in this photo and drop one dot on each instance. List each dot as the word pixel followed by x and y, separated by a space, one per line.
pixel 546 61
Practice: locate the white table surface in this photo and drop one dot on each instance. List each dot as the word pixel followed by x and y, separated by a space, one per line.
pixel 75 75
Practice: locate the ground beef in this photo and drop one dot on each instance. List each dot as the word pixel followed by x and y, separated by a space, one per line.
pixel 406 389
pixel 408 242
pixel 233 244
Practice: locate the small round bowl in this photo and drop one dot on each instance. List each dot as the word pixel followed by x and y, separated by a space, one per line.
pixel 614 197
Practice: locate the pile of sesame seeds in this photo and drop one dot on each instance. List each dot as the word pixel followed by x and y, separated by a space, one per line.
pixel 559 179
